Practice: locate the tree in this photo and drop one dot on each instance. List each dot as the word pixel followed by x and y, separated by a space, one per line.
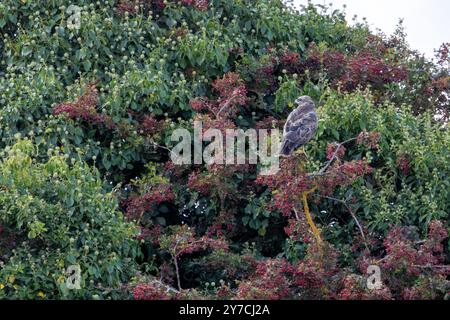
pixel 86 115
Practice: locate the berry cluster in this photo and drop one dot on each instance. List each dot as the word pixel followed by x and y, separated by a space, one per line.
pixel 85 108
pixel 231 91
pixel 355 288
pixel 403 164
pixel 150 126
pixel 138 205
pixel 151 234
pixel 292 180
pixel 152 291
pixel 287 185
pixel 297 230
pixel 182 240
pixel 350 71
pixel 201 5
pixel 369 139
pixel 270 282
pixel 366 69
pixel 128 7
pixel 407 259
pixel 335 150
pixel 342 174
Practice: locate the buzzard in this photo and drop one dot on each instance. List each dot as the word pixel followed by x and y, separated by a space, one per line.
pixel 300 126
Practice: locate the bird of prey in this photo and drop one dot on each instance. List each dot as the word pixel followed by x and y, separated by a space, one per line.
pixel 300 127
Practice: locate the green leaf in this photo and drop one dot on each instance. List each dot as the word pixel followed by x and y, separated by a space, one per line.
pixel 161 221
pixel 69 202
pixel 13 18
pixel 262 231
pixel 26 51
pixel 335 133
pixel 106 163
pixel 87 65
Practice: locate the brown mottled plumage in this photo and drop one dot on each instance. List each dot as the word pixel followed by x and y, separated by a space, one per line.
pixel 300 127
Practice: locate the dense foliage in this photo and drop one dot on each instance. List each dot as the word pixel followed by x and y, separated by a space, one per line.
pixel 86 116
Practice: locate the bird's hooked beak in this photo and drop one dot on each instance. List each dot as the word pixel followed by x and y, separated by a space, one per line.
pixel 304 100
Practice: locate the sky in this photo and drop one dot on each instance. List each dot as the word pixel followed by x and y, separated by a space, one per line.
pixel 427 22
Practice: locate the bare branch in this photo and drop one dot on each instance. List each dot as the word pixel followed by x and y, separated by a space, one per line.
pixel 226 105
pixel 296 214
pixel 162 147
pixel 361 230
pixel 329 162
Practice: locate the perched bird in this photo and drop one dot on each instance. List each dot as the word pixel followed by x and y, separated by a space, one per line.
pixel 299 129
pixel 300 126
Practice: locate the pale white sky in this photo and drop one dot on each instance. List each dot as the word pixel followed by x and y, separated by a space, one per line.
pixel 427 22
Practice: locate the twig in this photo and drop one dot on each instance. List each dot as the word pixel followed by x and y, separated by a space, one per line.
pixel 129 286
pixel 162 147
pixel 168 288
pixel 322 171
pixel 329 162
pixel 175 261
pixel 177 270
pixel 226 105
pixel 296 214
pixel 175 256
pixel 352 214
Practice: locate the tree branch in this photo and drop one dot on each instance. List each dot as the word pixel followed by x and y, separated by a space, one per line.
pixel 226 105
pixel 329 162
pixel 175 261
pixel 162 147
pixel 361 230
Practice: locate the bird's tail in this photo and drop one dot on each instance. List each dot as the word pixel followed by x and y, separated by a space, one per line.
pixel 286 148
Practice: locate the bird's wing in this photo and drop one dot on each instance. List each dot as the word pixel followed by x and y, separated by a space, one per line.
pixel 300 127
